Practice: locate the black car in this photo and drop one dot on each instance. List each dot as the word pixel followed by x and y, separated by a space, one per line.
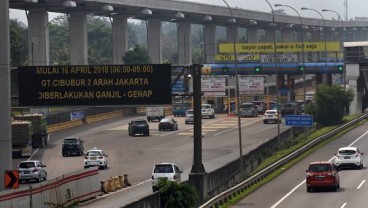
pixel 168 123
pixel 139 126
pixel 72 146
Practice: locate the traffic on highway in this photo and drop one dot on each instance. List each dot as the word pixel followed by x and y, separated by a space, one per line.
pixel 136 156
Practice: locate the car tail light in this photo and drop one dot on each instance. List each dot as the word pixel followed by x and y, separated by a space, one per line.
pixel 331 174
pixel 35 170
pixel 174 177
pixel 100 158
pixel 86 157
pixel 309 174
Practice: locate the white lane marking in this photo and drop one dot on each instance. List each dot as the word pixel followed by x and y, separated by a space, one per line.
pixel 361 184
pixel 287 195
pixel 292 190
pixel 343 205
pixel 119 128
pixel 30 158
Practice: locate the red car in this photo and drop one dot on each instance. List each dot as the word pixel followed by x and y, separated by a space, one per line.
pixel 322 174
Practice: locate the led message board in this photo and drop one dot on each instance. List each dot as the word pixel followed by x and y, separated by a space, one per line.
pixel 100 85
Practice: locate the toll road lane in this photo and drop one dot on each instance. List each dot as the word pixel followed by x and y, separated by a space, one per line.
pixel 288 190
pixel 137 155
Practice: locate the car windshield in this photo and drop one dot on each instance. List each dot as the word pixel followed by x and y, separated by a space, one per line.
pixel 206 107
pixel 70 140
pixel 347 152
pixel 246 105
pixel 27 165
pixel 320 168
pixel 139 122
pixel 288 106
pixel 165 120
pixel 93 153
pixel 163 169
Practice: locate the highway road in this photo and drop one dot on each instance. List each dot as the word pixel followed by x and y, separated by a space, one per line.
pixel 137 155
pixel 289 190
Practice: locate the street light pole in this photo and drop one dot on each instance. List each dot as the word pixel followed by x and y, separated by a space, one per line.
pixel 342 39
pixel 241 163
pixel 324 32
pixel 302 36
pixel 277 72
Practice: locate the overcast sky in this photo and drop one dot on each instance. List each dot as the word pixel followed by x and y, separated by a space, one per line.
pixel 356 8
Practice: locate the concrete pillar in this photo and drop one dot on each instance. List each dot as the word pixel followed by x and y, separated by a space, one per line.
pixel 38 38
pixel 287 35
pixel 5 118
pixel 119 38
pixel 232 33
pixel 352 75
pixel 269 35
pixel 252 35
pixel 154 40
pixel 78 38
pixel 330 36
pixel 210 48
pixel 185 52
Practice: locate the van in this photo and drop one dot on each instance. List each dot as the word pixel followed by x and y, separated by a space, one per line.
pixel 165 170
pixel 248 110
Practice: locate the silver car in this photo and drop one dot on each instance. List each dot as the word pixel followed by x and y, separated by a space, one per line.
pixel 32 170
pixel 189 116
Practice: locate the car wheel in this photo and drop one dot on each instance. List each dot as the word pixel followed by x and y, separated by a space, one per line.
pixel 334 188
pixel 309 189
pixel 338 185
pixel 159 129
pixel 39 178
pixel 45 177
pixel 264 122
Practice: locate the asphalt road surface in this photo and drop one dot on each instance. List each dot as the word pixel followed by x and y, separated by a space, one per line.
pixel 289 190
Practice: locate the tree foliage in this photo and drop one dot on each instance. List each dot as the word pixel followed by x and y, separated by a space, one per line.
pixel 138 55
pixel 330 103
pixel 177 195
pixel 18 43
pixel 59 42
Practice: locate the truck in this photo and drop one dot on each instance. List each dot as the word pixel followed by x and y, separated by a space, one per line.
pixel 180 108
pixel 155 113
pixel 39 126
pixel 21 138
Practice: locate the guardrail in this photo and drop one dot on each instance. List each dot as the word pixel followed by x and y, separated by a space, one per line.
pixel 223 197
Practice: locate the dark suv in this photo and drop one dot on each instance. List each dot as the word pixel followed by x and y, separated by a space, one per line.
pixel 139 126
pixel 72 146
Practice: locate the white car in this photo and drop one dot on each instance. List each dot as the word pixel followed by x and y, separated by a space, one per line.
pixel 349 157
pixel 189 116
pixel 270 116
pixel 95 157
pixel 165 170
pixel 207 111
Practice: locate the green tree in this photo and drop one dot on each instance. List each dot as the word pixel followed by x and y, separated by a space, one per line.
pixel 59 41
pixel 138 55
pixel 99 41
pixel 18 43
pixel 178 195
pixel 330 103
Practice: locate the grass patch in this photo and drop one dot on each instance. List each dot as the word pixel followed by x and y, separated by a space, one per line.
pixel 300 141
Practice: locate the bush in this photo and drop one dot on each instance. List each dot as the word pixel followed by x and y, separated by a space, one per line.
pixel 177 195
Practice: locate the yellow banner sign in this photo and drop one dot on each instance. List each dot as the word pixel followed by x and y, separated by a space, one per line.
pixel 280 47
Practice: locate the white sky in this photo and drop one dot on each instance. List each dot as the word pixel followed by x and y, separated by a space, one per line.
pixel 356 8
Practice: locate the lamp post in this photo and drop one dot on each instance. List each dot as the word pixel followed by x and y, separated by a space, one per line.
pixel 324 32
pixel 233 21
pixel 302 36
pixel 277 72
pixel 342 39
